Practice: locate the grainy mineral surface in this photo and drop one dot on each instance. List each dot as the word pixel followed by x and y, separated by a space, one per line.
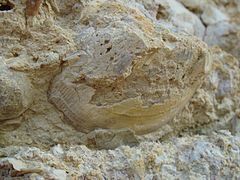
pixel 119 89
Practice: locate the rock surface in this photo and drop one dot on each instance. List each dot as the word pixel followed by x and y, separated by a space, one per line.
pixel 199 157
pixel 15 97
pixel 168 104
pixel 130 74
pixel 221 21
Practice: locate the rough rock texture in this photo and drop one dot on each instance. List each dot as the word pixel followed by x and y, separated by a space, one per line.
pixel 130 73
pixel 137 67
pixel 214 106
pixel 198 157
pixel 172 13
pixel 13 94
pixel 221 20
pixel 218 98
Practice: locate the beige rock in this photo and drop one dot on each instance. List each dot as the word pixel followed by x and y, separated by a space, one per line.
pixel 56 42
pixel 15 93
pixel 110 139
pixel 211 15
pixel 216 104
pixel 174 12
pixel 221 19
pixel 130 75
pixel 194 5
pixel 224 34
pixel 149 82
pixel 191 157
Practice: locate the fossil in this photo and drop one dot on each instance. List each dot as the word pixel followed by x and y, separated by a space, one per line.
pixel 140 93
pixel 15 93
pixel 127 78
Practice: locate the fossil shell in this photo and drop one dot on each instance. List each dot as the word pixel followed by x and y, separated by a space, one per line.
pixel 128 76
pixel 140 89
pixel 15 93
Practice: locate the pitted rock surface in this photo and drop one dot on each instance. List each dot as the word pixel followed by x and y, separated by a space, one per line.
pixel 126 78
pixel 120 89
pixel 15 93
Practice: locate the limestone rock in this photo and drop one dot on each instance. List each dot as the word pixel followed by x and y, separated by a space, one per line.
pixel 130 74
pixel 221 19
pixel 219 95
pixel 110 139
pixel 192 157
pixel 216 104
pixel 173 12
pixel 15 93
pixel 130 67
pixel 194 5
pixel 224 34
pixel 211 15
pixel 11 168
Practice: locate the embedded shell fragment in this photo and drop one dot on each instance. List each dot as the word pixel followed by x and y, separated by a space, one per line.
pixel 109 63
pixel 129 75
pixel 15 93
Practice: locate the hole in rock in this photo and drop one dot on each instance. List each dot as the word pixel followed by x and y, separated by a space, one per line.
pixel 106 41
pixel 7 6
pixel 161 13
pixel 15 54
pixel 109 49
pixel 86 22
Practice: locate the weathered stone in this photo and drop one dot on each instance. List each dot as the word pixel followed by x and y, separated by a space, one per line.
pixel 15 93
pixel 221 19
pixel 131 75
pixel 224 34
pixel 218 98
pixel 134 63
pixel 211 15
pixel 175 13
pixel 216 104
pixel 110 139
pixel 192 157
